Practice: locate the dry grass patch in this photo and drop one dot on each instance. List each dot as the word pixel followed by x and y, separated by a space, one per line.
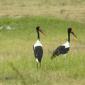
pixel 67 9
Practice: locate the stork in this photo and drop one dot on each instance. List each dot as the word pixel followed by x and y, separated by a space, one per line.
pixel 37 47
pixel 64 48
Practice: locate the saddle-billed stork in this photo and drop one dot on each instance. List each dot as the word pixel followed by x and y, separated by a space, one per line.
pixel 37 47
pixel 64 48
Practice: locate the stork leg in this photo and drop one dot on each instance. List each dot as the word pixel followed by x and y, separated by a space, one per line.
pixel 40 64
pixel 65 59
pixel 37 65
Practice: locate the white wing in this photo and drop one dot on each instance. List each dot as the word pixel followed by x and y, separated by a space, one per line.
pixel 38 43
pixel 67 44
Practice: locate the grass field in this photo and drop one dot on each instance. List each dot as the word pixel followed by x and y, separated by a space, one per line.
pixel 16 47
pixel 18 20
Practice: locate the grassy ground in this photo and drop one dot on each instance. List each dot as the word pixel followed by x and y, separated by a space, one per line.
pixel 16 47
pixel 66 9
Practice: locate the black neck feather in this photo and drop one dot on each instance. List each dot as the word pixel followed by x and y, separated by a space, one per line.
pixel 38 35
pixel 68 36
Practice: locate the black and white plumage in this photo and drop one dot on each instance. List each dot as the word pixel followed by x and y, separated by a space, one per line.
pixel 64 48
pixel 37 47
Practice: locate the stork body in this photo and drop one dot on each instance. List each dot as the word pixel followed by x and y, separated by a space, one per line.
pixel 38 51
pixel 38 48
pixel 64 48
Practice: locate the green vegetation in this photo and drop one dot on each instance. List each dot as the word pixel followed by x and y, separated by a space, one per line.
pixel 16 47
pixel 18 19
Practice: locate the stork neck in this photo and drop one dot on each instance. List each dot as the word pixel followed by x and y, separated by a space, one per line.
pixel 68 37
pixel 38 35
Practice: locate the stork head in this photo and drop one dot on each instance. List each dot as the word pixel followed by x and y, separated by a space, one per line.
pixel 39 30
pixel 70 31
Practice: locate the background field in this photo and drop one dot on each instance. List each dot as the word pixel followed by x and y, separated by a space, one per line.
pixel 66 9
pixel 18 20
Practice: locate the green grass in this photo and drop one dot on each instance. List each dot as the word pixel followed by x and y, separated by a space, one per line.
pixel 16 47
